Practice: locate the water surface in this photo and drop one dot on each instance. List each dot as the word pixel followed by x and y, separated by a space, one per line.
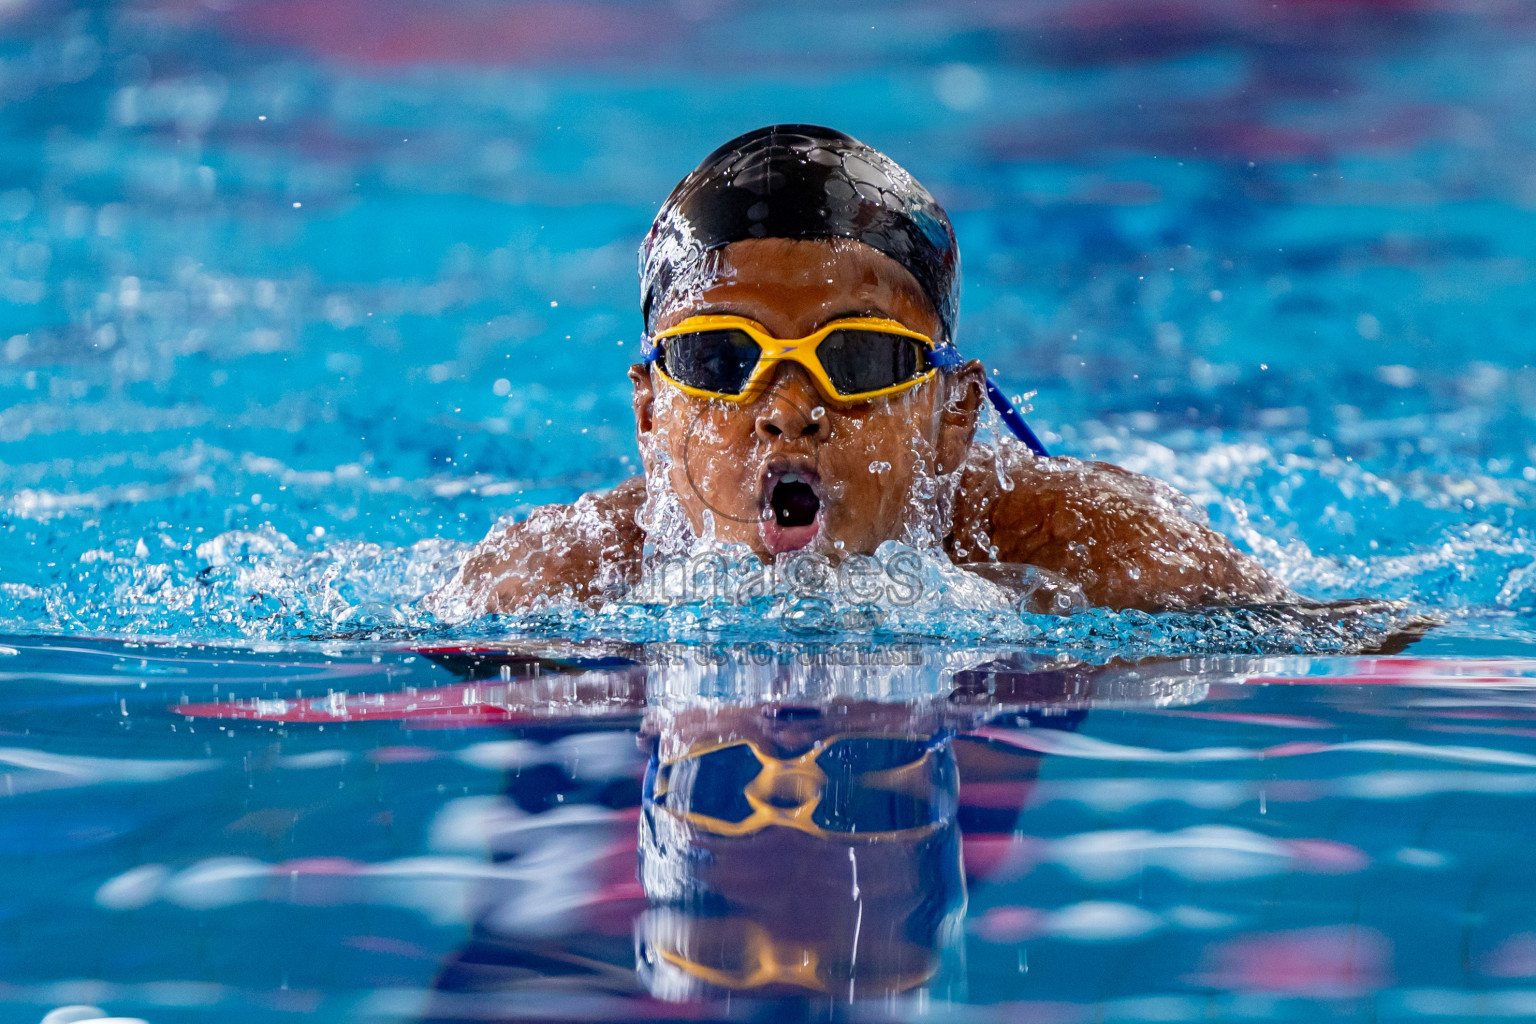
pixel 297 300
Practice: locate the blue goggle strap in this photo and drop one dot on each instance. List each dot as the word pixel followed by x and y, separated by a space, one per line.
pixel 947 357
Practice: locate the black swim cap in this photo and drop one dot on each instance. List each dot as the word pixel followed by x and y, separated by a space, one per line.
pixel 800 181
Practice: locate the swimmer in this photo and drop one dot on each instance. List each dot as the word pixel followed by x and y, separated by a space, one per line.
pixel 801 388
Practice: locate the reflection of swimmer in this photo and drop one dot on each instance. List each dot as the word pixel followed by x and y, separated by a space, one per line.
pixel 813 849
pixel 798 850
pixel 801 388
pixel 807 848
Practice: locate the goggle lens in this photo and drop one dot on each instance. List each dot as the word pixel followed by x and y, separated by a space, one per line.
pixel 713 784
pixel 855 800
pixel 859 361
pixel 720 361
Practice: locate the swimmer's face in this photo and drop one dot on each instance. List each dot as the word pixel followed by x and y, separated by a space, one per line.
pixel 791 468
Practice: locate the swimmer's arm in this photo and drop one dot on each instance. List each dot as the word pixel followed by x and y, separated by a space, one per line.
pixel 1122 538
pixel 579 551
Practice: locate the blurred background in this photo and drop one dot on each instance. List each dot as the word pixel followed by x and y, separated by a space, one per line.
pixel 298 298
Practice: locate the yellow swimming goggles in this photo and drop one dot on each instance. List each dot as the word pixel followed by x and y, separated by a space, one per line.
pixel 844 787
pixel 853 359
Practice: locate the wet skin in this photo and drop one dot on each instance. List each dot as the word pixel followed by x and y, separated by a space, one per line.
pixel 1123 538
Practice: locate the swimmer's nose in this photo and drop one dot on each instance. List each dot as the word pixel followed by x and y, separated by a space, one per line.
pixel 788 407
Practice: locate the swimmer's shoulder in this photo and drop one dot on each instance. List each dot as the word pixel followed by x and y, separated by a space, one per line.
pixel 1013 505
pixel 1130 541
pixel 592 516
pixel 579 551
pixel 598 527
pixel 623 500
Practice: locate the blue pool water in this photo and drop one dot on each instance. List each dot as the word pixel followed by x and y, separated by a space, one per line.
pixel 297 300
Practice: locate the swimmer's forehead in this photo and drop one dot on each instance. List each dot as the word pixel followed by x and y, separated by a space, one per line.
pixel 793 286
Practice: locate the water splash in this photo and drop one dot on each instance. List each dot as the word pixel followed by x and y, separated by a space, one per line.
pixel 263 586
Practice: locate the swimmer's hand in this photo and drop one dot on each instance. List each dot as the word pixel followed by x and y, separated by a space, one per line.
pixel 579 552
pixel 1127 540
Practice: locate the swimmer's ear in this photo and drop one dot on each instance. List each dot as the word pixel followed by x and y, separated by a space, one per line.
pixel 645 398
pixel 962 409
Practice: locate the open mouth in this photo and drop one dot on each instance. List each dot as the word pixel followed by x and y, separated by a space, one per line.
pixel 791 508
pixel 794 502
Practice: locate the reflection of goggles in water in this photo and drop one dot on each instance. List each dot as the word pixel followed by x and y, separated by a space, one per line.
pixel 738 954
pixel 869 787
pixel 852 359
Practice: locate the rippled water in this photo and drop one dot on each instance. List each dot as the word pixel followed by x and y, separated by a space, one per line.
pixel 297 300
pixel 365 833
